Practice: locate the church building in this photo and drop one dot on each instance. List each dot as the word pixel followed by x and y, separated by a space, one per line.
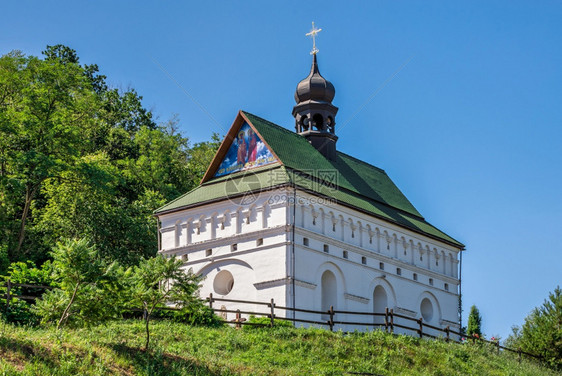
pixel 284 214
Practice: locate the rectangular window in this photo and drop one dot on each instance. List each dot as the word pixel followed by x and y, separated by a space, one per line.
pixel 305 241
pixel 446 287
pixel 415 276
pixel 364 260
pixel 326 248
pixel 233 247
pixel 345 255
pixel 184 258
pixel 208 252
pixel 259 242
pixel 381 265
pixel 398 271
pixel 431 281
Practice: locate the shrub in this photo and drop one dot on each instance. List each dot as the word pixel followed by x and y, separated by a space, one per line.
pixel 195 314
pixel 266 321
pixel 20 311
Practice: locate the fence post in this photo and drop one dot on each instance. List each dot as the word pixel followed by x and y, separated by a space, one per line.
pixel 238 319
pixel 447 332
pixel 331 322
pixel 392 320
pixel 386 319
pixel 420 330
pixel 272 312
pixel 211 300
pixel 8 288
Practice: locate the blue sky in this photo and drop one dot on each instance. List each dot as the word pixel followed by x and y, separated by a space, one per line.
pixel 469 128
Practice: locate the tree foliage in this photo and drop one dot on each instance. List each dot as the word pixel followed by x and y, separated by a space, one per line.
pixel 81 159
pixel 160 280
pixel 89 289
pixel 474 322
pixel 541 334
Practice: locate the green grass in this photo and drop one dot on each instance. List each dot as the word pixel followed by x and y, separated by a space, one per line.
pixel 178 349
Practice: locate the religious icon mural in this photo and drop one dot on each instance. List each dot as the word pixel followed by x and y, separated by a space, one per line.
pixel 246 151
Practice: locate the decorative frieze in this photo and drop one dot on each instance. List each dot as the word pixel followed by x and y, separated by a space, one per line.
pixel 356 298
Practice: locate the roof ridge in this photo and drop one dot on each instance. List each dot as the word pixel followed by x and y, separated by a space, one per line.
pixel 296 134
pixel 273 124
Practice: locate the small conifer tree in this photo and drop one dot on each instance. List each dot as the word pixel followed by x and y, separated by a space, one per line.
pixel 474 322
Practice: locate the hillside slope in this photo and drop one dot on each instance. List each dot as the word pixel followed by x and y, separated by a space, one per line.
pixel 178 349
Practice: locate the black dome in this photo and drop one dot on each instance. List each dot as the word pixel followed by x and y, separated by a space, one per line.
pixel 315 87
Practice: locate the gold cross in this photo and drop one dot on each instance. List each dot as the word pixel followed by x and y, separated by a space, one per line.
pixel 313 34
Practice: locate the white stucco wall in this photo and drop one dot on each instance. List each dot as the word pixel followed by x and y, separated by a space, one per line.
pixel 264 260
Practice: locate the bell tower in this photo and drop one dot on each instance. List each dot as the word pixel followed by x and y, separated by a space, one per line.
pixel 315 115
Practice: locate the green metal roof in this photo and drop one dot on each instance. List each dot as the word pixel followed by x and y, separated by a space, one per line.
pixel 348 180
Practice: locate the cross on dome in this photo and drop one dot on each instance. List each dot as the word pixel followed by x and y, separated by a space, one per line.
pixel 313 34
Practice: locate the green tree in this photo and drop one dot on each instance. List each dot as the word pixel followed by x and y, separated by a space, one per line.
pixel 81 159
pixel 87 287
pixel 44 107
pixel 160 280
pixel 541 334
pixel 474 322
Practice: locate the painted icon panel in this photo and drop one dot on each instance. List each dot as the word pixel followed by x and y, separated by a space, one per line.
pixel 247 151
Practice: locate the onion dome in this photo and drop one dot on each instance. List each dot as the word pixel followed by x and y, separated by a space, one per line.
pixel 315 87
pixel 315 115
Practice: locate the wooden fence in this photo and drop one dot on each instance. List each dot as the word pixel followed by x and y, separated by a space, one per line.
pixel 388 324
pixel 418 325
pixel 10 295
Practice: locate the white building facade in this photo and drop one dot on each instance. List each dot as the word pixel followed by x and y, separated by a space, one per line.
pixel 271 225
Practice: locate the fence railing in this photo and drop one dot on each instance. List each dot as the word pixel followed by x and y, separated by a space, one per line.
pixel 389 323
pixel 9 295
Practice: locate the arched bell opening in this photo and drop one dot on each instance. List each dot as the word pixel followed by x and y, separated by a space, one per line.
pixel 318 122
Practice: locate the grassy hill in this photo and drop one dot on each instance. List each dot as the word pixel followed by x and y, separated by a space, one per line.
pixel 178 349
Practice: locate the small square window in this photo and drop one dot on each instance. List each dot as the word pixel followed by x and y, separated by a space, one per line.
pixel 208 252
pixel 233 247
pixel 345 254
pixel 431 281
pixel 259 242
pixel 326 248
pixel 305 241
pixel 398 271
pixel 184 258
pixel 364 260
pixel 381 265
pixel 446 287
pixel 415 276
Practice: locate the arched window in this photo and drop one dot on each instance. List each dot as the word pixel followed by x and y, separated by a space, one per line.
pixel 329 292
pixel 380 303
pixel 318 122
